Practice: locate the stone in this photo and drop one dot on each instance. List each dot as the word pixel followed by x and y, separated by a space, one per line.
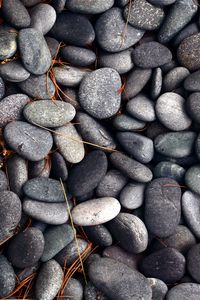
pixel 197 147
pixel 132 195
pixel 91 292
pixel 193 262
pixel 2 88
pixel 43 17
pixel 154 129
pixel 159 288
pixel 169 170
pixel 14 71
pixel 125 122
pixel 187 31
pixel 38 168
pixel 78 56
pixel 161 3
pixel 162 207
pixel 186 290
pixel 99 235
pixel 3 181
pixel 191 83
pixel 26 248
pixel 96 211
pixel 58 5
pixel 192 178
pixel 59 168
pixel 33 146
pixel 109 31
pixel 73 290
pixel 7 277
pixel 15 13
pixel 49 113
pixel 34 51
pixel 156 83
pixel 193 106
pixel 53 45
pixel 8 44
pixel 88 6
pixel 69 76
pixel 174 78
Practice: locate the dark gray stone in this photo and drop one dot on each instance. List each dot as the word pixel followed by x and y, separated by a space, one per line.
pixel 91 292
pixel 132 195
pixel 14 71
pixel 192 82
pixel 8 44
pixel 154 129
pixel 69 76
pixel 169 170
pixel 3 181
pixel 78 56
pixel 7 277
pixel 192 178
pixel 70 95
pixel 58 5
pixel 156 83
pixel 174 78
pixel 99 235
pixel 193 104
pixel 127 123
pixel 15 13
pixel 161 3
pixel 89 7
pixel 159 288
pixel 193 262
pixel 198 146
pixel 2 88
pixel 43 17
pixel 29 3
pixel 40 168
pixel 73 290
pixel 184 33
pixel 59 167
pixel 53 45
pixel 184 291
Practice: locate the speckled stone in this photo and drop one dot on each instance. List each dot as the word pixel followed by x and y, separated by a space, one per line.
pixel 39 168
pixel 174 78
pixel 14 71
pixel 78 56
pixel 132 195
pixel 125 122
pixel 187 31
pixel 156 83
pixel 169 170
pixel 99 235
pixel 3 181
pixel 58 166
pixel 43 17
pixel 8 44
pixel 7 277
pixel 192 82
pixel 15 13
pixel 184 291
pixel 91 292
pixel 69 76
pixel 159 288
pixel 73 290
pixel 88 6
pixel 192 178
pixel 53 45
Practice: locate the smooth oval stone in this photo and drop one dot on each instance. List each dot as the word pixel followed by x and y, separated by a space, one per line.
pixel 43 17
pixel 40 87
pixel 91 292
pixel 137 145
pixel 184 291
pixel 171 112
pixel 178 17
pixel 34 51
pixel 69 76
pixel 13 71
pixel 189 57
pixel 151 55
pixel 156 83
pixel 3 181
pixel 94 132
pixel 161 3
pixel 49 280
pixel 15 13
pixel 118 285
pixel 142 108
pixel 69 143
pixel 131 168
pixel 132 195
pixel 127 123
pixel 99 235
pixel 39 168
pixel 29 3
pixel 11 108
pixel 169 170
pixel 120 61
pixel 192 178
pixel 10 213
pixel 8 44
pixel 56 238
pixel 17 171
pixel 86 175
pixel 26 248
pixel 96 211
pixel 167 265
pixel 59 168
pixel 143 15
pixel 88 6
pixel 2 88
pixel 198 146
pixel 175 144
pixel 130 232
pixel 193 262
pixel 136 81
pixel 44 189
pixel 185 32
pixel 159 288
pixel 193 104
pixel 162 207
pixel 58 5
pixel 49 113
pixel 174 78
pixel 192 82
pixel 7 277
pixel 50 213
pixel 71 96
pixel 73 290
pixel 53 45
pixel 154 129
pixel 78 56
pixel 98 93
pixel 73 29
pixel 111 184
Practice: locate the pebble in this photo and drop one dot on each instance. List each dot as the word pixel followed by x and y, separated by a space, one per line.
pixel 71 96
pixel 125 122
pixel 98 93
pixel 174 78
pixel 169 169
pixel 156 83
pixel 29 3
pixel 193 105
pixel 118 284
pixel 167 265
pixel 175 144
pixel 86 175
pixel 69 143
pixel 34 51
pixel 151 55
pixel 130 232
pixel 73 29
pixel 189 57
pixel 39 168
pixel 96 211
pixel 15 13
pixel 50 213
pixel 44 189
pixel 58 5
pixel 192 82
pixel 161 3
pixel 43 17
pixel 7 277
pixel 3 181
pixel 59 167
pixel 192 178
pixel 193 262
pixel 73 290
pixel 109 31
pixel 178 17
pixel 14 71
pixel 184 290
pixel 142 108
pixel 198 146
pixel 138 146
pixel 131 168
pixel 99 235
pixel 11 108
pixel 26 248
pixel 53 45
pixel 33 146
pixel 159 288
pixel 49 113
pixel 185 32
pixel 49 280
pixel 56 238
pixel 91 292
pixel 2 88
pixel 89 7
pixel 162 207
pixel 69 76
pixel 143 15
pixel 111 184
pixel 8 44
pixel 78 56
pixel 10 214
pixel 132 195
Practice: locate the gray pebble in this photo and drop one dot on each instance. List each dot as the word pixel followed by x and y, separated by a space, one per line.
pixel 192 178
pixel 2 88
pixel 91 292
pixel 78 56
pixel 99 235
pixel 15 13
pixel 8 44
pixel 169 170
pixel 184 291
pixel 174 78
pixel 169 66
pixel 161 3
pixel 132 195
pixel 39 168
pixel 70 95
pixel 43 17
pixel 89 7
pixel 184 33
pixel 198 147
pixel 39 225
pixel 192 82
pixel 69 76
pixel 3 181
pixel 193 105
pixel 53 45
pixel 58 5
pixel 59 167
pixel 14 71
pixel 156 83
pixel 73 290
pixel 29 3
pixel 193 262
pixel 159 288
pixel 154 129
pixel 125 122
pixel 7 277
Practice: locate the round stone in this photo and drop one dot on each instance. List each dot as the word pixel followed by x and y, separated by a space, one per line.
pixel 192 178
pixel 132 195
pixel 73 290
pixel 88 6
pixel 91 292
pixel 26 248
pixel 184 290
pixel 99 235
pixel 27 140
pixel 169 170
pixel 193 104
pixel 3 181
pixel 174 78
pixel 15 13
pixel 159 288
pixel 7 277
pixel 193 262
pixel 127 123
pixel 43 17
pixel 59 167
pixel 78 56
pixel 190 29
pixel 69 75
pixel 53 45
pixel 156 83
pixel 39 168
pixel 8 44
pixel 13 71
pixel 192 82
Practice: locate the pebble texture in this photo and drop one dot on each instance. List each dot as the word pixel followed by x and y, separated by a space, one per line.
pixel 43 17
pixel 184 291
pixel 14 71
pixel 73 290
pixel 8 44
pixel 88 6
pixel 7 277
pixel 15 13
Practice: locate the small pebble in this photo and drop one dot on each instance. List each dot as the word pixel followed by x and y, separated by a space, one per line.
pixel 8 44
pixel 7 277
pixel 14 71
pixel 43 17
pixel 73 290
pixel 15 13
pixel 174 78
pixel 184 290
pixel 132 195
pixel 78 56
pixel 69 76
pixel 125 122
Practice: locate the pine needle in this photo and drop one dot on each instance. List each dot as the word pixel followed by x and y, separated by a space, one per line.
pixel 126 25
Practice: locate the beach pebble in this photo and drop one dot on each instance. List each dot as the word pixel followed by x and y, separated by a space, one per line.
pixel 8 44
pixel 193 105
pixel 88 6
pixel 125 122
pixel 132 195
pixel 3 181
pixel 159 288
pixel 15 13
pixel 192 82
pixel 78 56
pixel 174 78
pixel 169 170
pixel 14 71
pixel 43 17
pixel 156 83
pixel 193 262
pixel 190 29
pixel 7 277
pixel 73 290
pixel 58 167
pixel 186 290
pixel 69 76
pixel 192 178
pixel 99 235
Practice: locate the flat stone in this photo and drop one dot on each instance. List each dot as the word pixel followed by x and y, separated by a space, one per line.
pixel 161 3
pixel 192 178
pixel 159 288
pixel 49 280
pixel 156 83
pixel 78 56
pixel 89 7
pixel 174 78
pixel 69 76
pixel 91 292
pixel 34 51
pixel 27 140
pixel 7 277
pixel 53 45
pixel 192 82
pixel 193 262
pixel 29 3
pixel 162 207
pixel 186 290
pixel 43 17
pixel 26 248
pixel 59 167
pixel 8 44
pixel 98 93
pixel 144 15
pixel 10 214
pixel 125 122
pixel 109 30
pixel 73 290
pixel 3 181
pixel 15 13
pixel 169 169
pixel 190 29
pixel 49 113
pixel 99 235
pixel 14 71
pixel 179 16
pixel 193 104
pixel 132 195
